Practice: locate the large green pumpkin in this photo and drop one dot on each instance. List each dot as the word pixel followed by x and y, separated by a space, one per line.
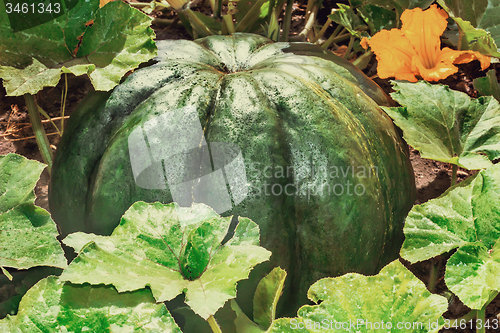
pixel 286 134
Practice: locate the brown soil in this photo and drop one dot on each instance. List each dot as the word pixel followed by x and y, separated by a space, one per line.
pixel 432 177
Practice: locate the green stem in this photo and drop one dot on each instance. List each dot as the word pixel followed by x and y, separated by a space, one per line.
pixel 212 4
pixel 322 31
pixel 454 175
pixel 335 39
pixel 40 135
pixel 227 22
pixel 48 118
pixel 63 102
pixel 287 20
pixel 481 316
pixel 363 60
pixel 469 316
pixel 162 21
pixel 310 21
pixel 349 48
pixel 435 266
pixel 218 9
pixel 213 325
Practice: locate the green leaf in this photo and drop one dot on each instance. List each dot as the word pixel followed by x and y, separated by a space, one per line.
pixel 488 86
pixel 167 247
pixel 345 16
pixel 14 290
pixel 464 217
pixel 119 40
pixel 447 125
pixel 266 297
pixel 378 18
pixel 242 322
pixel 473 273
pixel 470 38
pixel 482 15
pixel 53 306
pixel 358 303
pixel 27 232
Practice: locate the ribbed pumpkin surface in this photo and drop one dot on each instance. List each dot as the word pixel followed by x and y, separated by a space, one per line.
pixel 301 119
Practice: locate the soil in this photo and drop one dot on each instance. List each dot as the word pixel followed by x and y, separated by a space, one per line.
pixel 432 178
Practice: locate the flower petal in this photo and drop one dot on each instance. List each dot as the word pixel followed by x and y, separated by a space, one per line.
pixel 442 70
pixel 423 29
pixel 468 56
pixel 394 54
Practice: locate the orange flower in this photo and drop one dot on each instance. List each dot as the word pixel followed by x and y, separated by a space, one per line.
pixel 415 49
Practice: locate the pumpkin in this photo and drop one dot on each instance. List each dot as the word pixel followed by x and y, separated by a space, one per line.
pixel 286 134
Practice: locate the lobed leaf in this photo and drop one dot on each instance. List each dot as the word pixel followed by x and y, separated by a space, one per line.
pixel 355 303
pixel 172 250
pixel 55 306
pixel 447 125
pixel 27 232
pixel 465 217
pixel 118 40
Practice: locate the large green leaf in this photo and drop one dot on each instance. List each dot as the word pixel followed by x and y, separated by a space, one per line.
pixel 357 303
pixel 27 232
pixel 53 306
pixel 119 40
pixel 172 250
pixel 483 15
pixel 488 86
pixel 447 125
pixel 466 216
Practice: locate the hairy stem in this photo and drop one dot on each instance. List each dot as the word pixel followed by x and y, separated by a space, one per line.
pixel 349 48
pixel 287 20
pixel 454 175
pixel 213 325
pixel 322 31
pixel 435 266
pixel 40 135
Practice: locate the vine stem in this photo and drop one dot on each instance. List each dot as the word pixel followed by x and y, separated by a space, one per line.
pixel 481 316
pixel 454 175
pixel 349 48
pixel 40 135
pixel 435 266
pixel 213 324
pixel 322 31
pixel 287 21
